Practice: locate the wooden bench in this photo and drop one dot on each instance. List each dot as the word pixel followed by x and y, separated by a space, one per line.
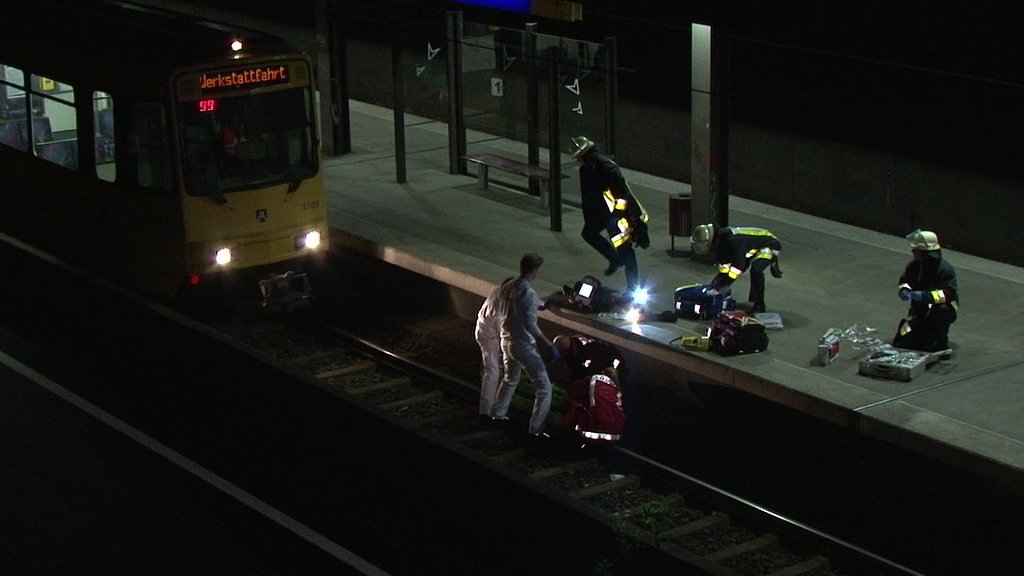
pixel 486 161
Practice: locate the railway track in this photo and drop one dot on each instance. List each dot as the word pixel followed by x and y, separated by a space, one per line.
pixel 703 527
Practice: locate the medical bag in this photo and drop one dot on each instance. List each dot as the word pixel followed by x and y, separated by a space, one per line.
pixel 702 301
pixel 734 332
pixel 888 361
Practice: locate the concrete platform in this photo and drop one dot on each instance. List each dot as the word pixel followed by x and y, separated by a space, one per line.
pixel 968 410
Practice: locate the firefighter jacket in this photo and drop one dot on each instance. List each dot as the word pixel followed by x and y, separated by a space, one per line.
pixel 594 409
pixel 606 197
pixel 737 246
pixel 934 276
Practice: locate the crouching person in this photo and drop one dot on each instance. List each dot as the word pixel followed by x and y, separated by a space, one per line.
pixel 593 408
pixel 929 284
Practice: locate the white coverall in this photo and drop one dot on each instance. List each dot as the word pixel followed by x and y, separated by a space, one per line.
pixel 517 304
pixel 488 337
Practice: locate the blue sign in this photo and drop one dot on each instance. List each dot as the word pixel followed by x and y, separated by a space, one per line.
pixel 511 5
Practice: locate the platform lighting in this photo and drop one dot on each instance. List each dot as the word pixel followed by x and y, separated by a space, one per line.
pixel 635 315
pixel 223 257
pixel 640 297
pixel 236 45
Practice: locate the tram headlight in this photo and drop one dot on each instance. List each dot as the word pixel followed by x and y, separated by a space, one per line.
pixel 222 257
pixel 310 240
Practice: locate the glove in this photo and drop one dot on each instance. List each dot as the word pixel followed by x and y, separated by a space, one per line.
pixel 905 294
pixel 641 236
pixel 918 295
pixel 711 291
pixel 555 354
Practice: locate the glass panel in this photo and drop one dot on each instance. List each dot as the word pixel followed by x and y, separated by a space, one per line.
pixel 54 127
pixel 103 118
pixel 13 108
pixel 241 142
pixel 582 101
pixel 425 69
pixel 495 80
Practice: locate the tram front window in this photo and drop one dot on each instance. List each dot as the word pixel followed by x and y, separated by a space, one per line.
pixel 243 142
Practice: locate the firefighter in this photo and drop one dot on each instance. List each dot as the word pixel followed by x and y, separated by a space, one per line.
pixel 737 249
pixel 609 206
pixel 929 284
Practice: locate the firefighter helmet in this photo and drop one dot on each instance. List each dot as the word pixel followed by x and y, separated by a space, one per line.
pixel 581 145
pixel 700 241
pixel 923 240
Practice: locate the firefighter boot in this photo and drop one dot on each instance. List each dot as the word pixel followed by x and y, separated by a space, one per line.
pixel 613 265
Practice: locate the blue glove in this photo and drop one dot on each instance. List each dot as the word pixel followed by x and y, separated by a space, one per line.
pixel 918 295
pixel 905 294
pixel 555 354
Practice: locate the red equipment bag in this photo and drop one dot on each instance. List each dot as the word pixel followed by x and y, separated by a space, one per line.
pixel 734 332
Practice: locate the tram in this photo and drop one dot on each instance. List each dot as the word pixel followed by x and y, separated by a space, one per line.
pixel 162 152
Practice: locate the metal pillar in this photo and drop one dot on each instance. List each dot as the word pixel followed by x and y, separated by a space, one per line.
pixel 709 182
pixel 398 104
pixel 456 120
pixel 339 83
pixel 532 102
pixel 554 142
pixel 611 92
pixel 323 76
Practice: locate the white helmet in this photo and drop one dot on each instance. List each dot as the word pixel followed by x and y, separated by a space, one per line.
pixel 582 145
pixel 700 241
pixel 923 240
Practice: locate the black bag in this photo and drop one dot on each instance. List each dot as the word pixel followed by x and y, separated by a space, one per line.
pixel 738 333
pixel 587 293
pixel 590 296
pixel 702 301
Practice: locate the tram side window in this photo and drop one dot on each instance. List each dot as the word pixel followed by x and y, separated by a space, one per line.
pixel 13 108
pixel 103 119
pixel 54 128
pixel 150 143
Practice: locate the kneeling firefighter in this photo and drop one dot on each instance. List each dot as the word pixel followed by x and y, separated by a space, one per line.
pixel 929 283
